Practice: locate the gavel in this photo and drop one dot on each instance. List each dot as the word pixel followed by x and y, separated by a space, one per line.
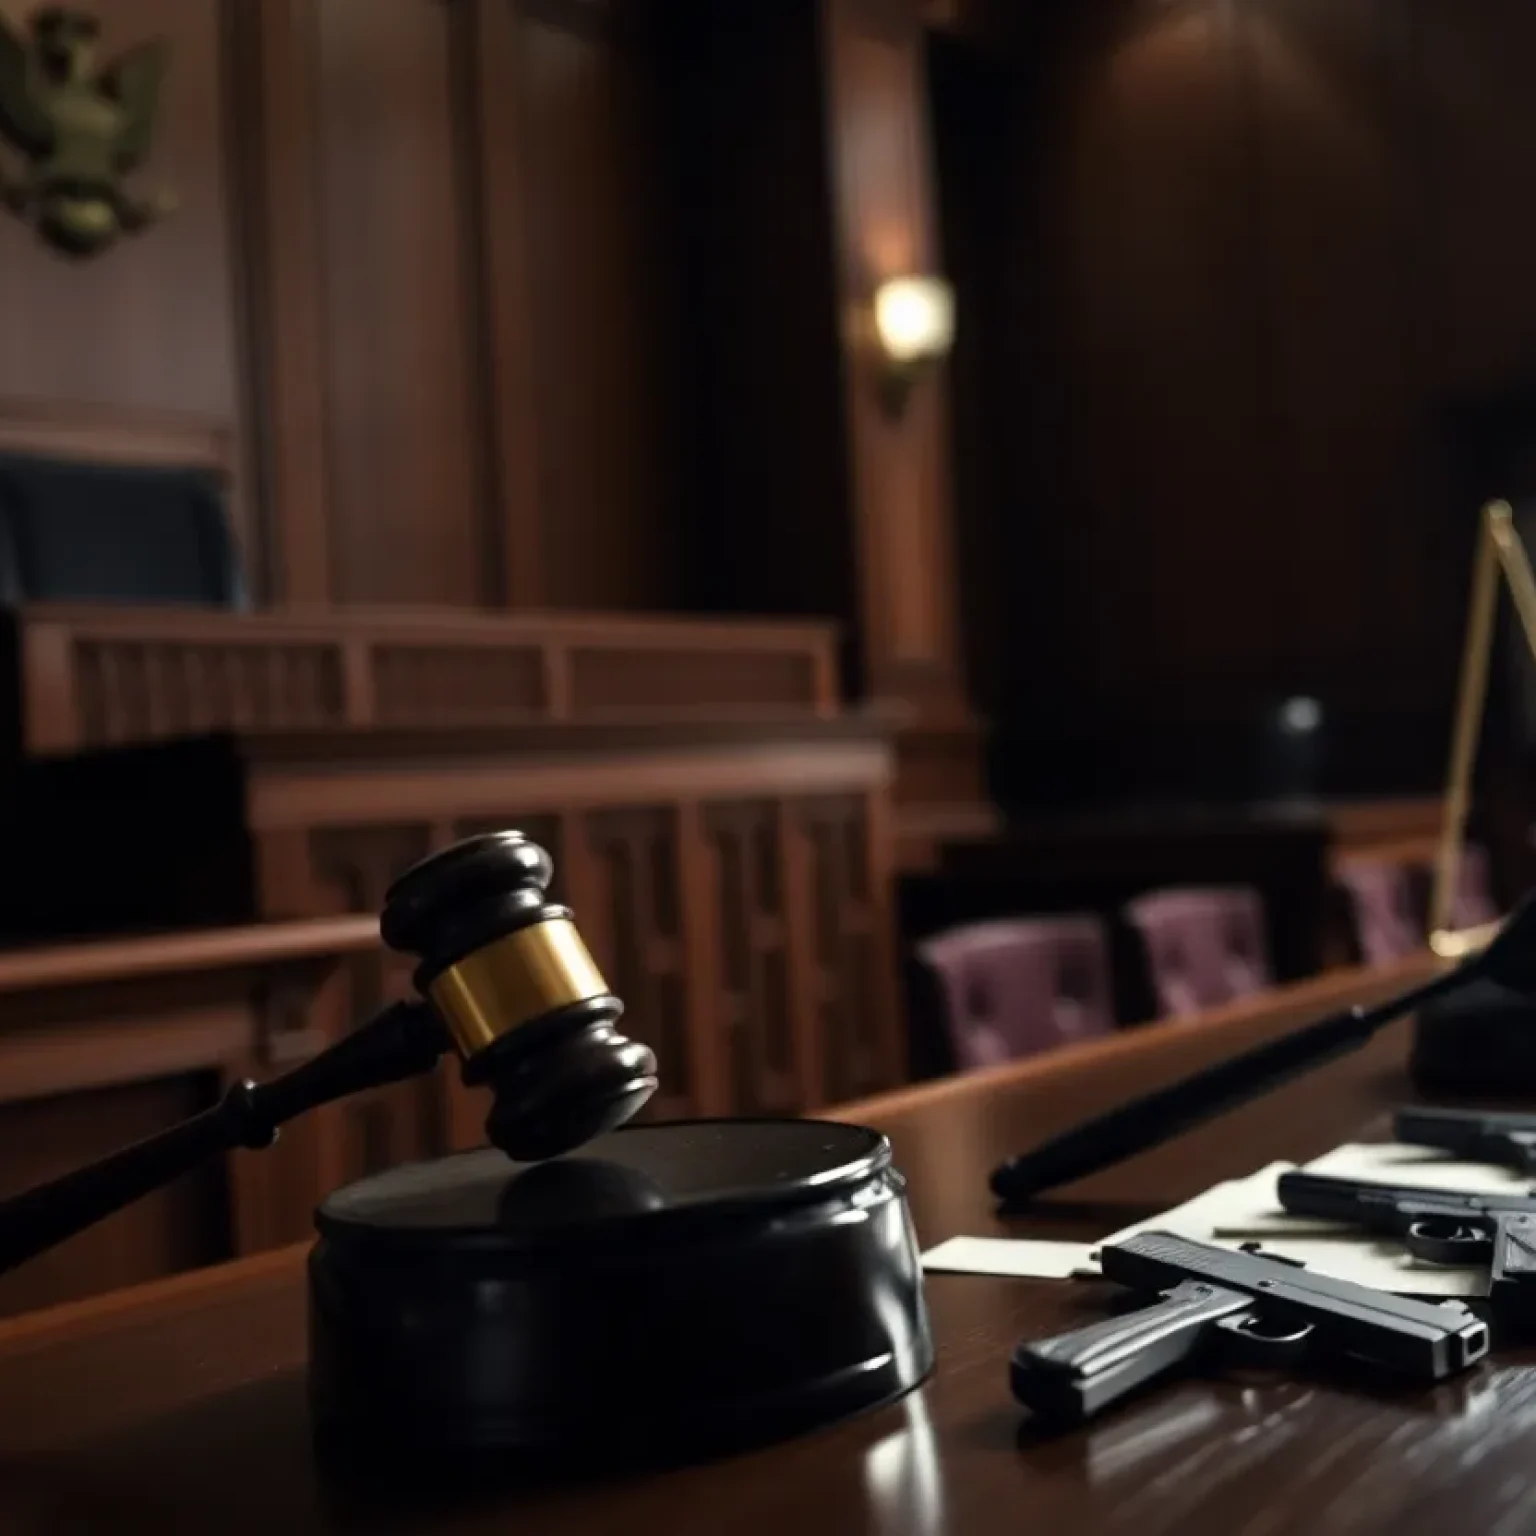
pixel 504 980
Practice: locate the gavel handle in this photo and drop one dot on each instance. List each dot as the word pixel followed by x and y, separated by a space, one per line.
pixel 404 1040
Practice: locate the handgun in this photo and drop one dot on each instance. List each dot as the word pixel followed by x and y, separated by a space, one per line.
pixel 1508 1140
pixel 1226 1308
pixel 1439 1226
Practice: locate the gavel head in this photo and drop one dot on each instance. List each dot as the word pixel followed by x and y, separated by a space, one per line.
pixel 526 1007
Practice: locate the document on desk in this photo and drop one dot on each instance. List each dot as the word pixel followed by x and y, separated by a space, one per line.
pixel 1245 1211
pixel 1019 1256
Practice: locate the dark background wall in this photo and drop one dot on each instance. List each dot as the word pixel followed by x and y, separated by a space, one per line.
pixel 1256 252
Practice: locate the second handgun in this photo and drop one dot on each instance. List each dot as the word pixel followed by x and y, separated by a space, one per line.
pixel 1437 1226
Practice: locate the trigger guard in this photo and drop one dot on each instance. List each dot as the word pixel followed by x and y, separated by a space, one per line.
pixel 1250 1342
pixel 1446 1240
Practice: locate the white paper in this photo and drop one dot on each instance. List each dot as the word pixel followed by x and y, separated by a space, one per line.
pixel 1024 1257
pixel 1242 1208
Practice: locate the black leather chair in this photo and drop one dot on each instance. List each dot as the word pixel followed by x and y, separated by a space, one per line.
pixel 76 531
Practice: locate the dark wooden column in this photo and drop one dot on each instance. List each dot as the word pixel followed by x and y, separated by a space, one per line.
pixel 884 216
pixel 276 48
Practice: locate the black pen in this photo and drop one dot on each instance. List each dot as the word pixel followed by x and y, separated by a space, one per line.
pixel 1509 960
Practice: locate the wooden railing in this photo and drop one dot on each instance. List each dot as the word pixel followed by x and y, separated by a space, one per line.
pixel 104 1043
pixel 91 677
pixel 734 884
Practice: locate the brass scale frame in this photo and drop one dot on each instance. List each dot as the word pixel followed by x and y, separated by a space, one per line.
pixel 1498 550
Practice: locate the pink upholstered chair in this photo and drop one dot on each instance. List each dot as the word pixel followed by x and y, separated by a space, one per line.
pixel 1204 947
pixel 1388 926
pixel 1018 986
pixel 1472 902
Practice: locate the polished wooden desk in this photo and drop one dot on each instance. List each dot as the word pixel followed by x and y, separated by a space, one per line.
pixel 180 1406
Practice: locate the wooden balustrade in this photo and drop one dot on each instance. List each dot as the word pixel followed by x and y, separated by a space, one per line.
pixel 733 881
pixel 104 1043
pixel 93 677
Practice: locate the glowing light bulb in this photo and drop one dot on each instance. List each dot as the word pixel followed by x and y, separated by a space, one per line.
pixel 914 318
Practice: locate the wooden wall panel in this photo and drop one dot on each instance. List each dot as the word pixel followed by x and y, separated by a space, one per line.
pixel 1347 302
pixel 766 479
pixel 409 521
pixel 1179 168
pixel 600 331
pixel 971 94
pixel 1259 251
pixel 278 103
pixel 152 325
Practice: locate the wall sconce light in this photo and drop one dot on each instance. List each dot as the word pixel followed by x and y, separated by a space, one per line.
pixel 914 321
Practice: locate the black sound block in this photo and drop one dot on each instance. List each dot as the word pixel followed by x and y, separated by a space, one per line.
pixel 1478 1042
pixel 669 1292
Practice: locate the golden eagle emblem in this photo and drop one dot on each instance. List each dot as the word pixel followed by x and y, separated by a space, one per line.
pixel 82 131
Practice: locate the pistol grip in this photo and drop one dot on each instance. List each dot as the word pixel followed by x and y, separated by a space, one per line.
pixel 1070 1377
pixel 1512 1266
